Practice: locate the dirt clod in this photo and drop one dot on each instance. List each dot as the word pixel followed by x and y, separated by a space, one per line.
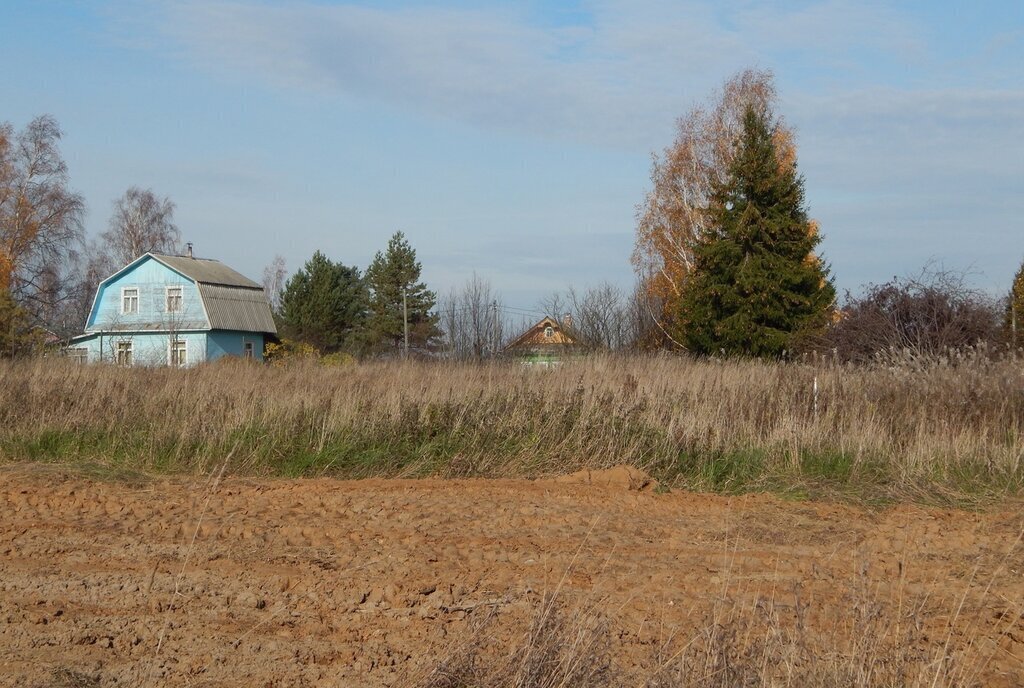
pixel 622 476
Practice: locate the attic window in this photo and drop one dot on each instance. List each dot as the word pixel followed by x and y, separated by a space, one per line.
pixel 173 299
pixel 549 332
pixel 130 300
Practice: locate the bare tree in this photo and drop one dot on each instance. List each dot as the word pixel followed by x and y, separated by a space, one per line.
pixel 40 218
pixel 274 277
pixel 601 317
pixel 675 213
pixel 472 320
pixel 91 266
pixel 142 222
pixel 646 308
pixel 556 306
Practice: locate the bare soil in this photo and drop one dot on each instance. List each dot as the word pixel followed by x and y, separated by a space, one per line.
pixel 373 582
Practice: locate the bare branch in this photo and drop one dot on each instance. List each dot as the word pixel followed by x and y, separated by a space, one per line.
pixel 142 222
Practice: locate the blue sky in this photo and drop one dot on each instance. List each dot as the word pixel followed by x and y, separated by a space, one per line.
pixel 515 140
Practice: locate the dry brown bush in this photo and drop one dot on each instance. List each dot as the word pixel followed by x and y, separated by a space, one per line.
pixel 932 314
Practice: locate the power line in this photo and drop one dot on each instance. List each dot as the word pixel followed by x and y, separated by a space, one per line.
pixel 483 308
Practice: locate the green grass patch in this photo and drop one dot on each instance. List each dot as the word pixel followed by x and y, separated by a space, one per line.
pixel 729 472
pixel 441 440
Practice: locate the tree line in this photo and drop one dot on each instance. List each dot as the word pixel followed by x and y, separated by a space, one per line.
pixel 727 264
pixel 726 257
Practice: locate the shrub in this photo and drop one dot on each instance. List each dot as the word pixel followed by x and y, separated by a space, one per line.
pixel 933 313
pixel 289 351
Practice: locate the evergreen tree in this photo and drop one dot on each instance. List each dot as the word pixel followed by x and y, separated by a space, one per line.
pixel 324 304
pixel 757 286
pixel 392 273
pixel 1015 310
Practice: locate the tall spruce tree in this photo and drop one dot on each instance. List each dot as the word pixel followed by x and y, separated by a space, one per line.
pixel 392 273
pixel 1015 310
pixel 757 287
pixel 325 305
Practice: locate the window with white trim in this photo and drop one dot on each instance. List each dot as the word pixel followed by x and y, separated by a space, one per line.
pixel 549 332
pixel 130 300
pixel 247 350
pixel 78 354
pixel 178 355
pixel 173 299
pixel 124 353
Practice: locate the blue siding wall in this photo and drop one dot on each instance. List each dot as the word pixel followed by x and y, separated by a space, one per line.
pixel 148 348
pixel 151 278
pixel 226 343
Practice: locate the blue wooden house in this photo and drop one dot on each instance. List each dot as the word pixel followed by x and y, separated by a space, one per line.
pixel 175 310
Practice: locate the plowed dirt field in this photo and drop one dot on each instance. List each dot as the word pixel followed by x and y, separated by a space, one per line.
pixel 371 583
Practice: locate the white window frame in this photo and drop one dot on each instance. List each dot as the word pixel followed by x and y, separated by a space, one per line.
pixel 248 350
pixel 170 353
pixel 167 298
pixel 124 296
pixel 128 347
pixel 549 332
pixel 78 354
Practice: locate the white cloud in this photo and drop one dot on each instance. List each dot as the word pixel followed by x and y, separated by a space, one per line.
pixel 621 78
pixel 939 142
pixel 831 28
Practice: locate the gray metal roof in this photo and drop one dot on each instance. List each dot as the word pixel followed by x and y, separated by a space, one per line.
pixel 206 271
pixel 237 308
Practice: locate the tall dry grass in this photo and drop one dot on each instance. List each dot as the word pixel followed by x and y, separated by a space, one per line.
pixel 862 632
pixel 932 429
pixel 859 641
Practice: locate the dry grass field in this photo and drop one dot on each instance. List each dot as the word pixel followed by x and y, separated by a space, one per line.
pixel 642 522
pixel 945 431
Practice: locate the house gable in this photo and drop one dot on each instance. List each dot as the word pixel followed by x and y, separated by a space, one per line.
pixel 136 298
pixel 546 334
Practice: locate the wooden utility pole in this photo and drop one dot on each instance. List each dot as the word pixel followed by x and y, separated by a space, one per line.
pixel 494 328
pixel 405 319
